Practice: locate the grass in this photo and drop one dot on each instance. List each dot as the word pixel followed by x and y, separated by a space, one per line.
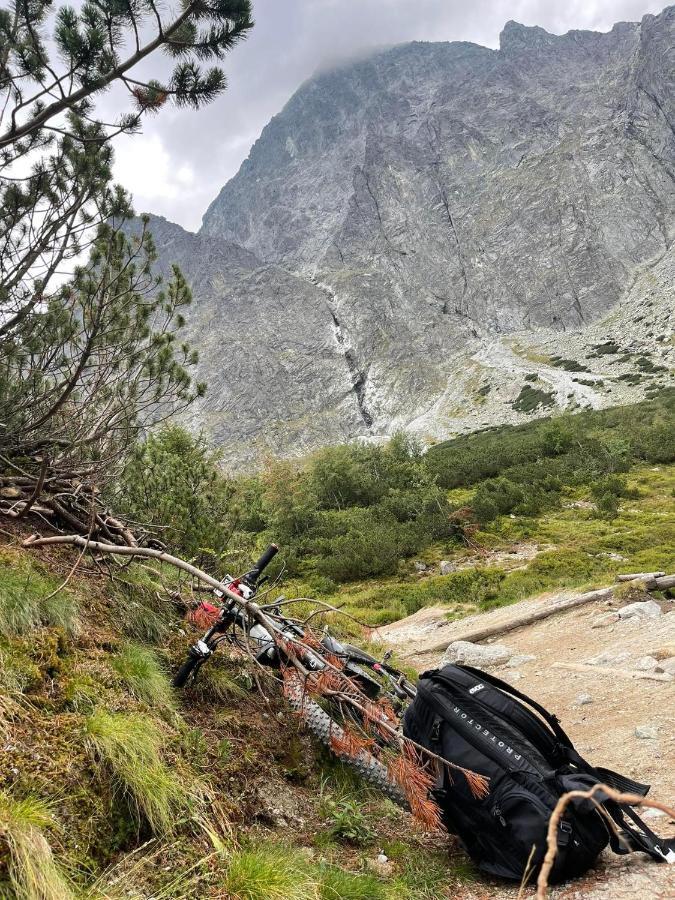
pixel 33 872
pixel 129 747
pixel 336 884
pixel 144 676
pixel 270 873
pixel 25 598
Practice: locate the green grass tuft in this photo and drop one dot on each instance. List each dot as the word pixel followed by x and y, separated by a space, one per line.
pixel 337 884
pixel 269 873
pixel 25 601
pixel 143 674
pixel 33 872
pixel 129 746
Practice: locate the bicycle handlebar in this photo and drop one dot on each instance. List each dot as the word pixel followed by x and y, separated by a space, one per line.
pixel 263 562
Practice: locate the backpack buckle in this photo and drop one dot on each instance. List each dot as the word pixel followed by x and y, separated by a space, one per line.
pixel 565 837
pixel 668 857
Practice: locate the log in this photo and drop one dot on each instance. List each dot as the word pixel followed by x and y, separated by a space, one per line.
pixel 543 612
pixel 587 669
pixel 661 584
pixel 640 576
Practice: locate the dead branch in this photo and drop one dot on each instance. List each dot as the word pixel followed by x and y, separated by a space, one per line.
pixel 336 684
pixel 561 806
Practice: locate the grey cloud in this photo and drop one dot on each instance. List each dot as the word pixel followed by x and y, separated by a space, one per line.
pixel 294 38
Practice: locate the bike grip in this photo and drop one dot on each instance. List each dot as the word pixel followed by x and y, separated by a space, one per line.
pixel 266 558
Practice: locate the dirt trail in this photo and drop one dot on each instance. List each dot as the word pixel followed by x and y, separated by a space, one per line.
pixel 604 729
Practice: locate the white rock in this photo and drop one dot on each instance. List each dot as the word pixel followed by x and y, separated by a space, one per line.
pixel 609 659
pixel 668 665
pixel 645 609
pixel 604 620
pixel 646 732
pixel 583 699
pixel 446 567
pixel 646 664
pixel 476 654
pixel 519 659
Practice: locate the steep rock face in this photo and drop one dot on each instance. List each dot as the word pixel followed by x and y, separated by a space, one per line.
pixel 278 380
pixel 404 210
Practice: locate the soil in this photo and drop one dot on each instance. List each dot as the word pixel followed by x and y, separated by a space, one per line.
pixel 603 730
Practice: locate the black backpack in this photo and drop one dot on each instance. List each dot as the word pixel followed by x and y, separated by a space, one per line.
pixel 481 723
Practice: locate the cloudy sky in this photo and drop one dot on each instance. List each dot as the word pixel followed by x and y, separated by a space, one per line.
pixel 183 158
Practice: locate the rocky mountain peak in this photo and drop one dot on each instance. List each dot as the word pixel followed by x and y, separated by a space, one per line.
pixel 404 211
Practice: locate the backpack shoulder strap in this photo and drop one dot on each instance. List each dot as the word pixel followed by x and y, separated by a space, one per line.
pixel 636 836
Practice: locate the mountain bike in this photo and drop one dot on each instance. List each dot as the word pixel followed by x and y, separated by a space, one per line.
pixel 236 624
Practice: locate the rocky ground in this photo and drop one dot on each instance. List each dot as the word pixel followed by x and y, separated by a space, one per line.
pixel 619 710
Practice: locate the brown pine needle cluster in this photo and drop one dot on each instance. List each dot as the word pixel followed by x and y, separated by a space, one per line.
pixel 416 781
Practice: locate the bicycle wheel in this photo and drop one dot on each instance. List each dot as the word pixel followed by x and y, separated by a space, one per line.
pixel 189 669
pixel 322 726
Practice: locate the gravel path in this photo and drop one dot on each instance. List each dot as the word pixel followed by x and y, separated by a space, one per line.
pixel 603 729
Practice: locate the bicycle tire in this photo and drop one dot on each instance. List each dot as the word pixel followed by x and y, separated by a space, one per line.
pixel 366 766
pixel 182 676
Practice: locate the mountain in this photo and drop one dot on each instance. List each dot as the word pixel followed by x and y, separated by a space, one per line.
pixel 423 238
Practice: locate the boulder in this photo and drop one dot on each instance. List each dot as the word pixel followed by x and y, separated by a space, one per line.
pixel 643 609
pixel 464 652
pixel 646 664
pixel 446 567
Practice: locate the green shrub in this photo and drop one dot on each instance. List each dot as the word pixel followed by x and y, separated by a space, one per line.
pixel 531 398
pixel 172 481
pixel 346 821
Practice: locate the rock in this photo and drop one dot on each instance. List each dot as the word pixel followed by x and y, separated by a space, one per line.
pixel 646 732
pixel 609 659
pixel 604 620
pixel 643 609
pixel 519 660
pixel 380 867
pixel 464 652
pixel 583 699
pixel 446 567
pixel 668 665
pixel 419 566
pixel 650 813
pixel 646 664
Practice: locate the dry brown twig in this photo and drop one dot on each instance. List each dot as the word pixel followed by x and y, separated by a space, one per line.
pixel 561 806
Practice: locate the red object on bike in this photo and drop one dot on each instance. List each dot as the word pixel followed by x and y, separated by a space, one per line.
pixel 204 615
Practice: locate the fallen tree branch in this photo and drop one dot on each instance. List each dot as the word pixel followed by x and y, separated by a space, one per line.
pixel 561 806
pixel 640 576
pixel 657 582
pixel 543 612
pixel 291 646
